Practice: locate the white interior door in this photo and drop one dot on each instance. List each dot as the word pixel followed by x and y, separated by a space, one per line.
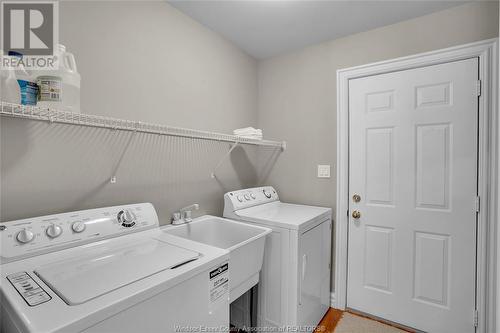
pixel 413 163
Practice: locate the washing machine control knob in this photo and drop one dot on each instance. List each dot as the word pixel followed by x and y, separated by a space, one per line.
pixel 240 198
pixel 252 195
pixel 78 227
pixel 126 218
pixel 25 236
pixel 267 194
pixel 247 197
pixel 53 231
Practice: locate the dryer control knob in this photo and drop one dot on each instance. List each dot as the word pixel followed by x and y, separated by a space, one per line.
pixel 240 198
pixel 267 194
pixel 78 227
pixel 252 195
pixel 25 236
pixel 53 231
pixel 247 197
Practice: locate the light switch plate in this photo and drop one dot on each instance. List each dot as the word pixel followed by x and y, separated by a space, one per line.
pixel 323 170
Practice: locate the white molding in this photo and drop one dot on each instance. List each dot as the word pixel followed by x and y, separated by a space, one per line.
pixel 489 182
pixel 496 169
pixel 332 300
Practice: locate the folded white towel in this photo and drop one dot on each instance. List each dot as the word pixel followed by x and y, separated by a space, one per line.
pixel 248 131
pixel 245 129
pixel 249 134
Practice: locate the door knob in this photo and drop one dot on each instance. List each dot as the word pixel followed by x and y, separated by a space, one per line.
pixel 356 198
pixel 356 214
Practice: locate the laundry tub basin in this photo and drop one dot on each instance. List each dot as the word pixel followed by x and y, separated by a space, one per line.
pixel 244 242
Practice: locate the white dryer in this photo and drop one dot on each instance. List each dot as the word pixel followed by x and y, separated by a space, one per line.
pixel 294 287
pixel 108 270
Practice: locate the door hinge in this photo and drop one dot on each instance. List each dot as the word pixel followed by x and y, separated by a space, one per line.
pixel 478 87
pixel 478 204
pixel 348 213
pixel 476 318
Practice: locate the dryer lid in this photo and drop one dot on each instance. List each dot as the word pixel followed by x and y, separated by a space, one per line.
pixel 83 278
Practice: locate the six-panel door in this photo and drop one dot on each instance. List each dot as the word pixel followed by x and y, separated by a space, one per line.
pixel 413 163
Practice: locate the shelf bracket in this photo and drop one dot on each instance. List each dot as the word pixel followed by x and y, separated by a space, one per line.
pixel 236 143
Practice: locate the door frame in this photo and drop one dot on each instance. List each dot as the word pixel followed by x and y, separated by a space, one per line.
pixel 488 180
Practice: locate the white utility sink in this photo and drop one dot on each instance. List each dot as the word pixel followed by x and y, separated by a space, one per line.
pixel 244 242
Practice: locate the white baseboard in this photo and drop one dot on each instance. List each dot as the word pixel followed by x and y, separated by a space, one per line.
pixel 332 300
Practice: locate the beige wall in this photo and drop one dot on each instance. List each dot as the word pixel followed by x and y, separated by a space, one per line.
pixel 185 75
pixel 140 61
pixel 297 92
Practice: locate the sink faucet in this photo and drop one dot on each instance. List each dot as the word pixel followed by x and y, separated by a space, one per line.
pixel 184 214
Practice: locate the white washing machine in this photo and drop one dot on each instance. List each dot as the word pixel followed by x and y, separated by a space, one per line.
pixel 294 287
pixel 108 270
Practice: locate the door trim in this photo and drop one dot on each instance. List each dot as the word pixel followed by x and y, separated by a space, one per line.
pixel 488 180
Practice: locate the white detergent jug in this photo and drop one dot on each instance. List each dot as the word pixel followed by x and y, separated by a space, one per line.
pixel 71 81
pixel 10 91
pixel 60 89
pixel 27 84
pixel 9 87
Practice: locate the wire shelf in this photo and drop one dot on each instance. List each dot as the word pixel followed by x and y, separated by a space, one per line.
pixel 64 117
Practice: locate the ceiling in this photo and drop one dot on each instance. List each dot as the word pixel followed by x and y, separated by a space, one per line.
pixel 266 28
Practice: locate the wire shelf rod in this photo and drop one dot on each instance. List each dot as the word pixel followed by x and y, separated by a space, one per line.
pixel 64 117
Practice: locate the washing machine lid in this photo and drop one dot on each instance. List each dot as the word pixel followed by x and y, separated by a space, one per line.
pixel 285 215
pixel 86 277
